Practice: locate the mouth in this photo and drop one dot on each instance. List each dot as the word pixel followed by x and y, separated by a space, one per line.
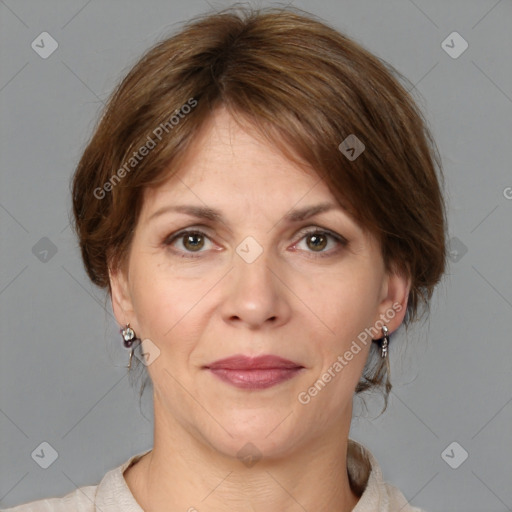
pixel 254 372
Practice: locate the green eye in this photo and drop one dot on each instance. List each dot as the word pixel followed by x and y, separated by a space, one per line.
pixel 193 241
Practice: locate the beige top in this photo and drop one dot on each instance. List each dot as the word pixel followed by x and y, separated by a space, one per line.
pixel 112 494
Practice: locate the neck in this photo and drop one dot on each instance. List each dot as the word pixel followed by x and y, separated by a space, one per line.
pixel 184 473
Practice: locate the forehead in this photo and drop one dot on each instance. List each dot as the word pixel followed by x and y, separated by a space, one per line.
pixel 238 160
pixel 239 145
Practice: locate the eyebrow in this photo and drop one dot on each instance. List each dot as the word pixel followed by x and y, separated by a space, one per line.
pixel 204 212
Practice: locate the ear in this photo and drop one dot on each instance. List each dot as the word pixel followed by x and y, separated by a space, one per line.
pixel 121 297
pixel 394 298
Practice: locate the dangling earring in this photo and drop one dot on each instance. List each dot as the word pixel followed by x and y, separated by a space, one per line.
pixel 384 342
pixel 129 338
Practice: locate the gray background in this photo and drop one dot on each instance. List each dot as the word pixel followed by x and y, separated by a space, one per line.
pixel 62 379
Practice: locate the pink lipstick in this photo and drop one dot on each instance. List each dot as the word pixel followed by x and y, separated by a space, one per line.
pixel 254 372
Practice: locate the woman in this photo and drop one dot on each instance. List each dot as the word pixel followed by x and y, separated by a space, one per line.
pixel 261 200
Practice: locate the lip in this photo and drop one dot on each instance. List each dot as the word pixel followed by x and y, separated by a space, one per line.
pixel 241 362
pixel 254 372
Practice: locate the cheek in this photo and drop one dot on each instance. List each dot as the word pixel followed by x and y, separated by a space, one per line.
pixel 341 356
pixel 347 308
pixel 154 299
pixel 165 304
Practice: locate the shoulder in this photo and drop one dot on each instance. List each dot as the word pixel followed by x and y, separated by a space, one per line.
pixel 110 495
pixel 397 500
pixel 79 500
pixel 367 480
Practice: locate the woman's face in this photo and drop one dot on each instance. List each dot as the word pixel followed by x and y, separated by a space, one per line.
pixel 252 280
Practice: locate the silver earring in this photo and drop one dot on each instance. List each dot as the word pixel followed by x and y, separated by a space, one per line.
pixel 385 342
pixel 129 338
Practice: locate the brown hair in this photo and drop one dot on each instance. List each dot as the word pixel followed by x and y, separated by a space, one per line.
pixel 306 88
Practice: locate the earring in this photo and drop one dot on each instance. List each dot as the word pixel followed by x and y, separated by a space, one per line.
pixel 129 338
pixel 385 342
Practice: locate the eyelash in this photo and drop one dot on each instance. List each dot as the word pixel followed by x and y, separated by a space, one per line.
pixel 168 241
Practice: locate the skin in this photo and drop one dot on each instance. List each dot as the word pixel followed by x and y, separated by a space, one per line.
pixel 290 302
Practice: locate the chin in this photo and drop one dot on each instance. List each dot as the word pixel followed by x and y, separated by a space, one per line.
pixel 254 433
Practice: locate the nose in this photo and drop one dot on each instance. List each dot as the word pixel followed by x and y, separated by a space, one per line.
pixel 256 296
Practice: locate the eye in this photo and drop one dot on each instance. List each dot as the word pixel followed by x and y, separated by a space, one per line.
pixel 192 241
pixel 317 239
